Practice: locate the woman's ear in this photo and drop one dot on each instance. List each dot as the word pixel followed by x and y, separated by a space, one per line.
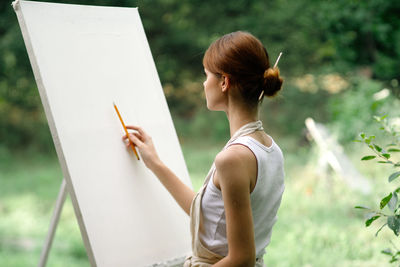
pixel 225 83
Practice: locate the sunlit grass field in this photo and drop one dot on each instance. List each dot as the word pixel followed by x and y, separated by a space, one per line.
pixel 317 224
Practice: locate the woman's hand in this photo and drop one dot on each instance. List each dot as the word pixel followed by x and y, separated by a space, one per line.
pixel 182 193
pixel 145 145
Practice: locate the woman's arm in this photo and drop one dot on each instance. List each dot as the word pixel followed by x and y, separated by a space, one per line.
pixel 182 193
pixel 234 177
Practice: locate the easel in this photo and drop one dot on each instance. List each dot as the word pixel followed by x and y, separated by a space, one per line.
pixel 62 195
pixel 332 154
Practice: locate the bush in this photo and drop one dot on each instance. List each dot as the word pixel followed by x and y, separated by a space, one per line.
pixel 384 154
pixel 352 109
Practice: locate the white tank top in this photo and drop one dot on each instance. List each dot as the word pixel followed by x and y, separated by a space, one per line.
pixel 265 200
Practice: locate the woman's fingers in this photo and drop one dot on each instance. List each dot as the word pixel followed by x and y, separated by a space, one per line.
pixel 135 140
pixel 137 128
pixel 140 137
pixel 136 134
pixel 144 143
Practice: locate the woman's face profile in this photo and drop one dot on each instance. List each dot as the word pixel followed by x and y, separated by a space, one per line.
pixel 213 91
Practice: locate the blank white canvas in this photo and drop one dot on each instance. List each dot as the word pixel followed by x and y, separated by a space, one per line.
pixel 84 58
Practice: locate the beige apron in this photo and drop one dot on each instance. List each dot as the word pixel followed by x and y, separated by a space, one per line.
pixel 201 256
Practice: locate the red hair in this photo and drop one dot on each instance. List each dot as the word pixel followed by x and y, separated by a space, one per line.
pixel 244 59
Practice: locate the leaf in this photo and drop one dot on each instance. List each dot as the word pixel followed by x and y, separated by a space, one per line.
pixel 386 155
pixel 385 200
pixel 368 157
pixel 377 232
pixel 393 176
pixel 369 221
pixel 369 215
pixel 378 119
pixel 393 150
pixel 362 135
pixel 357 140
pixel 381 161
pixel 393 202
pixel 394 224
pixel 392 144
pixel 378 148
pixel 364 208
pixel 387 251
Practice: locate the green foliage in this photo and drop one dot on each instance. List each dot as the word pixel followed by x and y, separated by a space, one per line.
pixel 364 33
pixel 393 223
pixel 386 200
pixel 353 108
pixel 285 115
pixel 368 157
pixel 393 176
pixel 370 218
pixel 392 218
pixel 200 128
pixel 394 255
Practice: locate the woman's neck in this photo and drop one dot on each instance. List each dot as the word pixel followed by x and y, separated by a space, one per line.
pixel 239 116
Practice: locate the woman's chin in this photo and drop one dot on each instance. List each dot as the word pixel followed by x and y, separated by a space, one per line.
pixel 214 107
pixel 211 108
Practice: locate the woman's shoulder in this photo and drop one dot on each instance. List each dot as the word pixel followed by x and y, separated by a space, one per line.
pixel 233 157
pixel 236 166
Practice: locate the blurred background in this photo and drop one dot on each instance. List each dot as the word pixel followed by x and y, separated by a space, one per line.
pixel 341 65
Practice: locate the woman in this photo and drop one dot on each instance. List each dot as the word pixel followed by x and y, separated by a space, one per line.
pixel 238 202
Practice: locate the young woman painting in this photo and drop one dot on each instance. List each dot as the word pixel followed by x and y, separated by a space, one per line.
pixel 232 215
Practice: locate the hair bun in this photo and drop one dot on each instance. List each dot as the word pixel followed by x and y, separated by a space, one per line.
pixel 272 81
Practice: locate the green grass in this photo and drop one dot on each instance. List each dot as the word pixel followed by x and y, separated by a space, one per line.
pixel 28 190
pixel 317 224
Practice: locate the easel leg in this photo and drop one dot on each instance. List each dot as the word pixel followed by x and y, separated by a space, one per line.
pixel 53 224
